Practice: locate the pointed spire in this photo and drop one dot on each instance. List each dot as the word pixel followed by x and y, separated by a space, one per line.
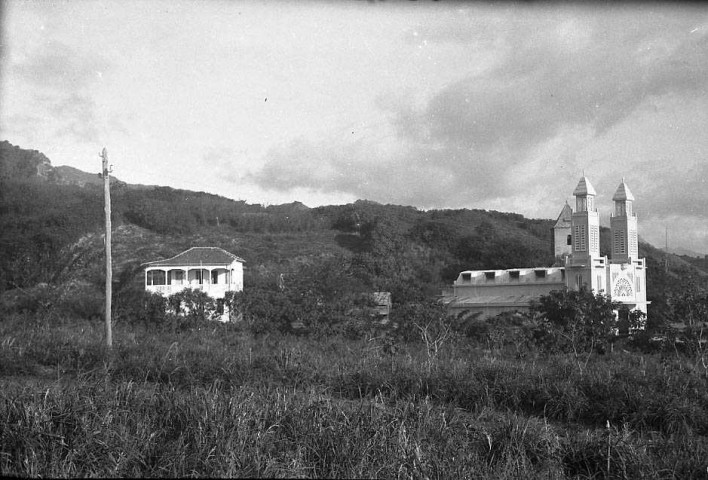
pixel 565 216
pixel 623 193
pixel 584 188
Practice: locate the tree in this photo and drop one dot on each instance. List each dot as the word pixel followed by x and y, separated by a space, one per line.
pixel 689 307
pixel 576 321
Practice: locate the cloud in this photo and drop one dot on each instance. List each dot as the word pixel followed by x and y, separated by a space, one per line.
pixel 224 162
pixel 58 66
pixel 61 81
pixel 559 82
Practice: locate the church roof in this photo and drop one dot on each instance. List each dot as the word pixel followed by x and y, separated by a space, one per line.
pixel 623 193
pixel 198 256
pixel 518 300
pixel 584 188
pixel 565 217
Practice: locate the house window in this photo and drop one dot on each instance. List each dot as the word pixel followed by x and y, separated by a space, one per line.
pixel 514 274
pixel 599 283
pixel 156 277
pixel 569 240
pixel 578 281
pixel 489 276
pixel 639 285
pixel 467 277
pixel 214 277
pixel 540 273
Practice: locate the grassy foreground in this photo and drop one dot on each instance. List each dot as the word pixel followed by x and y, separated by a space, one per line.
pixel 218 402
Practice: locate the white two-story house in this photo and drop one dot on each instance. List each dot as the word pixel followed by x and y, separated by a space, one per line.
pixel 210 269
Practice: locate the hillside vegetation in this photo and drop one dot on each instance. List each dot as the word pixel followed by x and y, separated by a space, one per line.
pixel 48 225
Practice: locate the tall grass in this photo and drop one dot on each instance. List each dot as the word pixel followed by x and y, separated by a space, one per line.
pixel 218 402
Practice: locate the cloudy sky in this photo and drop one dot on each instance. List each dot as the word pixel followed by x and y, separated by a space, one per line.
pixel 430 104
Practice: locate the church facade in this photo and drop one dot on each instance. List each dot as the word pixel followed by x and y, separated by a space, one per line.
pixel 576 237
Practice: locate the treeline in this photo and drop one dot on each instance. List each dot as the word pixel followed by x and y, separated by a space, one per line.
pixel 41 220
pixel 170 211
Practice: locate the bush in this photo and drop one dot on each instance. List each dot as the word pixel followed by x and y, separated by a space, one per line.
pixel 575 321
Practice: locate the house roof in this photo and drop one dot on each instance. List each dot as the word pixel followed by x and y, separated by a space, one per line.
pixel 584 188
pixel 198 256
pixel 623 193
pixel 565 217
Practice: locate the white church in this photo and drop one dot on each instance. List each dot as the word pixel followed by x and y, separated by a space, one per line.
pixel 576 237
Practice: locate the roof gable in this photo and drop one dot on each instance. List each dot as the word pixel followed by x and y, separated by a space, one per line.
pixel 198 256
pixel 564 219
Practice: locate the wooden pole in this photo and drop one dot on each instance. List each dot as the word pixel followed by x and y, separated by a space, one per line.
pixel 109 269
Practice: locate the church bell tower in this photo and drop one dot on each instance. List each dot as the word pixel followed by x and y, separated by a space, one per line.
pixel 585 224
pixel 624 227
pixel 584 267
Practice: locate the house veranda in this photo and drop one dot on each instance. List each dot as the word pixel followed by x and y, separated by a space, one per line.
pixel 209 269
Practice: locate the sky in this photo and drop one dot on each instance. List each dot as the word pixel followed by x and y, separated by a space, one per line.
pixel 500 106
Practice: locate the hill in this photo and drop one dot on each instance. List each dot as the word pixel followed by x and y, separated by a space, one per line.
pixel 51 232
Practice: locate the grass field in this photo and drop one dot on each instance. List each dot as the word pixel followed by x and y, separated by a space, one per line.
pixel 216 401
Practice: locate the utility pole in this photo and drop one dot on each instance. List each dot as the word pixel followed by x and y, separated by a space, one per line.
pixel 109 267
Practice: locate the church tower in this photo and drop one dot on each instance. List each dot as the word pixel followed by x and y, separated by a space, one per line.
pixel 584 266
pixel 624 227
pixel 627 272
pixel 585 223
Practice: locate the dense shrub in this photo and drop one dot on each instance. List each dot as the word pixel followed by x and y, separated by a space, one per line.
pixel 575 321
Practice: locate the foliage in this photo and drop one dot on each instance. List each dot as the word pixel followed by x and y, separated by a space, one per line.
pixel 690 307
pixel 220 402
pixel 319 298
pixel 194 305
pixel 36 223
pixel 576 320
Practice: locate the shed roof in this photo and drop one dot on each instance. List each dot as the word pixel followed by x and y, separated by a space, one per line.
pixel 198 256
